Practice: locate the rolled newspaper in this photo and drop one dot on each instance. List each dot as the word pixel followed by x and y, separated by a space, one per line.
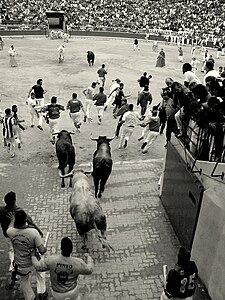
pixel 46 239
pixel 165 272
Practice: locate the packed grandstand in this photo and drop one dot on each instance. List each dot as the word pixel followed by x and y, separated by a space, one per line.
pixel 192 16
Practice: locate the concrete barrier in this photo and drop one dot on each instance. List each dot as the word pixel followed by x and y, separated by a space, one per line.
pixel 208 248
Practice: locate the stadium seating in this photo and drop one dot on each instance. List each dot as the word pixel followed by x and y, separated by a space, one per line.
pixel 196 16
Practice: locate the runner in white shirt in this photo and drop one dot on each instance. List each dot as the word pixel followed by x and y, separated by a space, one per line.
pixel 33 108
pixel 129 120
pixel 24 238
pixel 189 76
pixel 88 103
pixel 61 50
pixel 209 66
pixel 112 92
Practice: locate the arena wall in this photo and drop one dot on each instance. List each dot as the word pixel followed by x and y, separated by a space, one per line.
pixel 114 34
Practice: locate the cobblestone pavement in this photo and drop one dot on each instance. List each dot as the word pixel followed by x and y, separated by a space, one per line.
pixel 138 229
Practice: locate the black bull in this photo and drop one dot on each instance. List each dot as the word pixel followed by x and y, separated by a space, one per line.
pixel 65 152
pixel 102 164
pixel 90 58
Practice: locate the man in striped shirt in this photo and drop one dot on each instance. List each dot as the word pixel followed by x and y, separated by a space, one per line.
pixel 9 131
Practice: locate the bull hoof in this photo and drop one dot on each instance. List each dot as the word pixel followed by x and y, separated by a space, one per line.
pixel 70 185
pixel 99 195
pixel 62 185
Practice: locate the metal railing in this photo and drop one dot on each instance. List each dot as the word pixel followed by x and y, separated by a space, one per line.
pixel 205 144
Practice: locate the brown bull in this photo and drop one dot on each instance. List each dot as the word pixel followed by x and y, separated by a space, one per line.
pixel 86 210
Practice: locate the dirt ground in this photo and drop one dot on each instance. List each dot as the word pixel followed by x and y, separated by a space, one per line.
pixel 37 58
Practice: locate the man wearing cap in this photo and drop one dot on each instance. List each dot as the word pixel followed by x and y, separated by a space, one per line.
pixel 112 92
pixel 180 283
pixel 64 270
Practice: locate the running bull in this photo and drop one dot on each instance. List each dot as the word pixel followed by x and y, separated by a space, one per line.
pixel 65 152
pixel 102 164
pixel 85 209
pixel 90 58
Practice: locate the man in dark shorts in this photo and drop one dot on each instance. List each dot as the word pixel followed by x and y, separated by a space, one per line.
pixel 39 96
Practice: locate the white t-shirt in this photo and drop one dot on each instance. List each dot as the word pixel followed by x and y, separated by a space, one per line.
pixel 61 50
pixel 112 88
pixel 1 114
pixel 89 93
pixel 32 104
pixel 190 77
pixel 212 73
pixel 23 240
pixel 131 118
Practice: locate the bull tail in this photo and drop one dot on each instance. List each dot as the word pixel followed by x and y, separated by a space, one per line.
pixel 103 241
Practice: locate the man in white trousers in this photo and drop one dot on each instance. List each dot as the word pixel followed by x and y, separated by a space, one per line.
pixel 75 106
pixel 100 99
pixel 129 120
pixel 39 95
pixel 88 103
pixel 33 108
pixel 53 112
pixel 112 92
pixel 5 220
pixel 152 132
pixel 24 238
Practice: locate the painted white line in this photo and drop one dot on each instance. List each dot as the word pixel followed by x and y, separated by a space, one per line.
pixel 125 162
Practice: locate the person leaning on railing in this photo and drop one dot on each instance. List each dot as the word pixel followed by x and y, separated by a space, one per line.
pixel 216 121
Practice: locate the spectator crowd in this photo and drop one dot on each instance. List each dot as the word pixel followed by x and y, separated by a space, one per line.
pixel 196 16
pixel 195 112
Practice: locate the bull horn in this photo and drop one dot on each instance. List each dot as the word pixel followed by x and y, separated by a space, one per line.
pixel 112 138
pixel 66 175
pixel 71 132
pixel 94 139
pixel 87 172
pixel 105 244
pixel 55 133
